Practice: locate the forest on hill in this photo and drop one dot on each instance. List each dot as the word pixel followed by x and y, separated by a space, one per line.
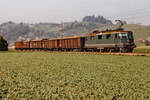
pixel 22 31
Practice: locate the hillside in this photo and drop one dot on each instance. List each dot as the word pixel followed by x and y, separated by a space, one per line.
pixel 140 31
pixel 20 31
pixel 141 34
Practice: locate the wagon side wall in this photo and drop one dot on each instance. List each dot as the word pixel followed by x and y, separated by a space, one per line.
pixel 74 43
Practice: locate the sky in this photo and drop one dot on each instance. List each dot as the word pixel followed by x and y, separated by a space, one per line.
pixel 35 11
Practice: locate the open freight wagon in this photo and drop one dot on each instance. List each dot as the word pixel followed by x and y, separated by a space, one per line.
pixel 66 44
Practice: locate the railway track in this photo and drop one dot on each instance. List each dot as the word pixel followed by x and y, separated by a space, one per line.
pixel 110 53
pixel 122 54
pixel 97 53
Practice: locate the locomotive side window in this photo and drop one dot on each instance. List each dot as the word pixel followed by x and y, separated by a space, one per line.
pixel 99 36
pixel 108 36
pixel 116 35
pixel 124 35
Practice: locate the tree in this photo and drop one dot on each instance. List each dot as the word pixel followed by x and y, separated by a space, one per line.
pixel 99 19
pixel 3 44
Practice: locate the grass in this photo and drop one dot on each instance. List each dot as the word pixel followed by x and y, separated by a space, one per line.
pixel 143 49
pixel 65 76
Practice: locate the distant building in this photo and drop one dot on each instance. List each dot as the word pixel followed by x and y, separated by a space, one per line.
pixel 31 25
pixel 148 41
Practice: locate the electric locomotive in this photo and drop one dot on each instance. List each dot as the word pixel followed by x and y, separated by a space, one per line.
pixel 111 40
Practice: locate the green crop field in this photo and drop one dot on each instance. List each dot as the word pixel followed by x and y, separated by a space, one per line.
pixel 70 76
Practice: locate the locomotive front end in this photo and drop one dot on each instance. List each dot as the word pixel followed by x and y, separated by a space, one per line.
pixel 127 41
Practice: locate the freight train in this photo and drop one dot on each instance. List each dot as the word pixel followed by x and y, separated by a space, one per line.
pixel 98 41
pixel 3 44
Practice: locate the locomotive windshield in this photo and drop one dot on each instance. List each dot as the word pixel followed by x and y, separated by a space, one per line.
pixel 126 35
pixel 123 35
pixel 130 35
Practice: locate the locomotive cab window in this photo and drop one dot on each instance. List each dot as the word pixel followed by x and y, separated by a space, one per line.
pixel 130 35
pixel 108 36
pixel 123 35
pixel 99 36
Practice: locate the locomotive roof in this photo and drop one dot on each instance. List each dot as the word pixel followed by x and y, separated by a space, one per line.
pixel 109 32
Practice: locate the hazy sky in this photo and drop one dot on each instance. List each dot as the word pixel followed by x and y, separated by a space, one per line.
pixel 34 11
